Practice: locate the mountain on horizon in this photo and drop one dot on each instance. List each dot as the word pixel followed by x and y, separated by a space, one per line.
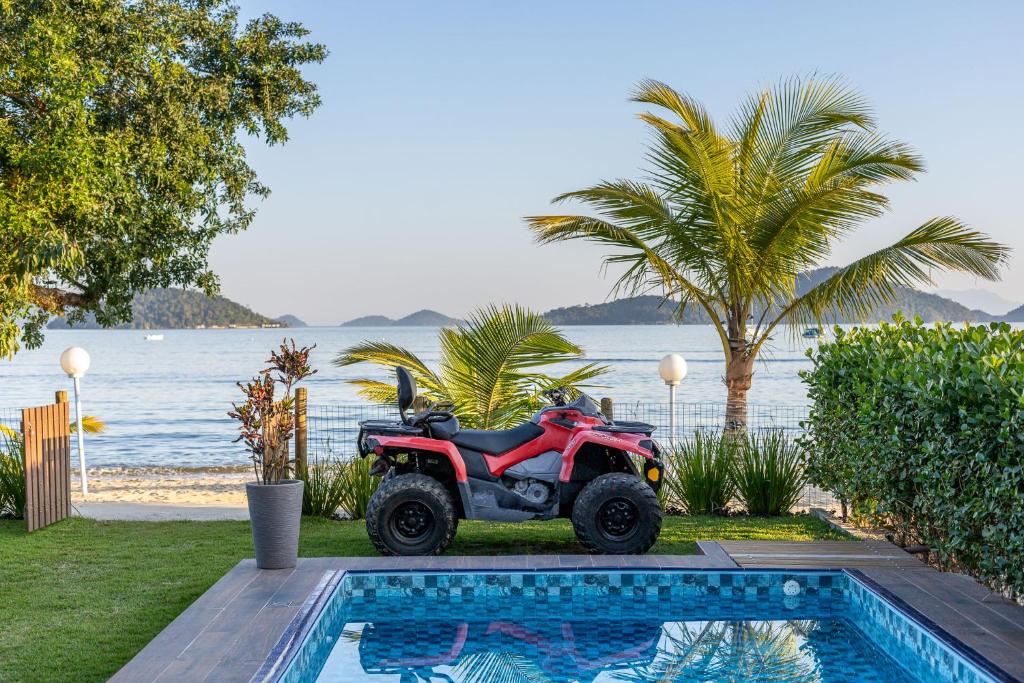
pixel 421 318
pixel 289 320
pixel 982 299
pixel 172 308
pixel 1014 316
pixel 655 310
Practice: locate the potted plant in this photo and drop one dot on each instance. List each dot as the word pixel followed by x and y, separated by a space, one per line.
pixel 267 425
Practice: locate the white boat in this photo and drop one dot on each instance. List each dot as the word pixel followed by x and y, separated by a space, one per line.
pixel 154 337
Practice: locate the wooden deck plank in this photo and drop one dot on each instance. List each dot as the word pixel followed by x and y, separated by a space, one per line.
pixel 819 554
pixel 205 651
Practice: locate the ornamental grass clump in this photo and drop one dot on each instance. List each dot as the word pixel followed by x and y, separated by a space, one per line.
pixel 359 487
pixel 700 473
pixel 324 488
pixel 768 471
pixel 12 473
pixel 334 485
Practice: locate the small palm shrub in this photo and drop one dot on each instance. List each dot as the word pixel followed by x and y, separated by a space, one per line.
pixel 12 474
pixel 700 473
pixel 490 367
pixel 334 485
pixel 768 471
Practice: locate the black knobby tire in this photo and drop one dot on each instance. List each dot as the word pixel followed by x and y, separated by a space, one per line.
pixel 617 514
pixel 411 514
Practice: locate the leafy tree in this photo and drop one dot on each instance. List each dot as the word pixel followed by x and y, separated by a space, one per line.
pixel 729 218
pixel 488 369
pixel 120 151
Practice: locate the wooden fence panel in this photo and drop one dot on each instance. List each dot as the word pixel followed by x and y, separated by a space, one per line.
pixel 47 436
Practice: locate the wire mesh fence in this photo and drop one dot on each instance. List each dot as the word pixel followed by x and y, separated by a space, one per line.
pixel 10 418
pixel 333 428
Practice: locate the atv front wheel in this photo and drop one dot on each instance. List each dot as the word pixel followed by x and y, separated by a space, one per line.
pixel 617 514
pixel 411 514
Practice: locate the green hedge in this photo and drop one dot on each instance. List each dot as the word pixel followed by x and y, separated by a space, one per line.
pixel 922 426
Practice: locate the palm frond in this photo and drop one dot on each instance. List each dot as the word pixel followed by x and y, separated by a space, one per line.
pixel 690 111
pixel 389 356
pixel 855 290
pixel 647 264
pixel 90 425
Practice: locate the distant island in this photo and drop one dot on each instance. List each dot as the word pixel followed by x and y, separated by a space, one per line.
pixel 170 309
pixel 422 318
pixel 655 310
pixel 291 321
pixel 1014 316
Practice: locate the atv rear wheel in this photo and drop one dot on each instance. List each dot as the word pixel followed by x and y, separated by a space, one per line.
pixel 411 514
pixel 617 514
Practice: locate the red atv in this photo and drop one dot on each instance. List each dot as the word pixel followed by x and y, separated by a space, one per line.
pixel 568 461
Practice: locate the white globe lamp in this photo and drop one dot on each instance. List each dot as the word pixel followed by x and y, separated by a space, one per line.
pixel 673 371
pixel 75 362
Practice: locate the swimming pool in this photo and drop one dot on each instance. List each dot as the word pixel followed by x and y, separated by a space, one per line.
pixel 629 626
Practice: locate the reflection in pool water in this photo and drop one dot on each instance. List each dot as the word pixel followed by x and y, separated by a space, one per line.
pixel 630 650
pixel 624 626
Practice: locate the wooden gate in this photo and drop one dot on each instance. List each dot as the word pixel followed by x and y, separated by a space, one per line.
pixel 47 464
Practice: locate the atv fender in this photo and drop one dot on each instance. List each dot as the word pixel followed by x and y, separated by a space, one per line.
pixel 425 445
pixel 628 444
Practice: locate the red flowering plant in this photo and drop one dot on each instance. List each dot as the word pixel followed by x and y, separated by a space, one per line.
pixel 267 424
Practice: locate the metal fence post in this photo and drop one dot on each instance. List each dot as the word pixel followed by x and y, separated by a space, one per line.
pixel 301 433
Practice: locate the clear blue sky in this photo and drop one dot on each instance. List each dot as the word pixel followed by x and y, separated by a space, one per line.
pixel 444 123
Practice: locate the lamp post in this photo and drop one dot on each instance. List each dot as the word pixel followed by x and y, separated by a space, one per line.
pixel 75 361
pixel 672 370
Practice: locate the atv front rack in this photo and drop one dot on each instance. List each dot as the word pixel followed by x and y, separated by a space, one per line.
pixel 626 428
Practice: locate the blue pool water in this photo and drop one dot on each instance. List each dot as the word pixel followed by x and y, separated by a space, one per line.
pixel 563 627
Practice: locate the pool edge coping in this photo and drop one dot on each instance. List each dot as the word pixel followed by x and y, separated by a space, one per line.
pixel 942 635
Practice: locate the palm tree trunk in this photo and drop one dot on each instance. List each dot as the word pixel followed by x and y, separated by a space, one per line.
pixel 739 372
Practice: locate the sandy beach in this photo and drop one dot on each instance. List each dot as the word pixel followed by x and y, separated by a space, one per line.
pixel 222 487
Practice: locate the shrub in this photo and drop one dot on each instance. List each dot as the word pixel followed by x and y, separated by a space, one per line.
pixel 12 474
pixel 699 473
pixel 324 489
pixel 359 487
pixel 922 426
pixel 769 473
pixel 338 485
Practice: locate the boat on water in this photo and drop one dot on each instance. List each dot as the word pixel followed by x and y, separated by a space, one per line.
pixel 154 337
pixel 812 332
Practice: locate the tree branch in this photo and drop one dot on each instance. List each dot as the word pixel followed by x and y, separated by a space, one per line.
pixel 56 300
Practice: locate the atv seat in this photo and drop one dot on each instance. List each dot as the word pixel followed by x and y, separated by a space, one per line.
pixel 496 441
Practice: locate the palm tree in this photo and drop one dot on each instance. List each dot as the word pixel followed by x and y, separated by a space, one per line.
pixel 488 369
pixel 729 218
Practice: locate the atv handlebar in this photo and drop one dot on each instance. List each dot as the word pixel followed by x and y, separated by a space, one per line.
pixel 556 395
pixel 431 416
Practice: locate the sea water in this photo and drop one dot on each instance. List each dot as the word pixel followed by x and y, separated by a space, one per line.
pixel 165 402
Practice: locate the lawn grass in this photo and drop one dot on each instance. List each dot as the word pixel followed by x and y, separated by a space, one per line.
pixel 80 598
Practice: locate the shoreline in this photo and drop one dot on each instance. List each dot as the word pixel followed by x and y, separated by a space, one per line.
pixel 222 486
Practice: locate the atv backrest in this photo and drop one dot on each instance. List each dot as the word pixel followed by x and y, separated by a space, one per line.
pixel 406 390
